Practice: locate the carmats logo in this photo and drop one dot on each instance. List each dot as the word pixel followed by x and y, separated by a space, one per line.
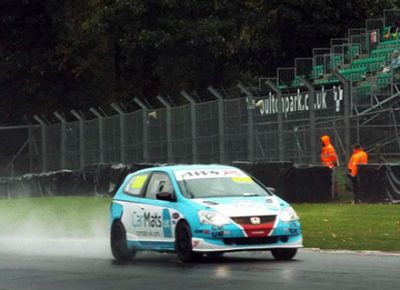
pixel 146 220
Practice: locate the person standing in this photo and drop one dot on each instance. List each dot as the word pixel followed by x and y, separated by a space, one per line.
pixel 329 158
pixel 359 156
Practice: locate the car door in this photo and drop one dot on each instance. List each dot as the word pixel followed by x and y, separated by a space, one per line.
pixel 151 220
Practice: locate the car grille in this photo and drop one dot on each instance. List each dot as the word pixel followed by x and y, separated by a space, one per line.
pixel 250 241
pixel 245 220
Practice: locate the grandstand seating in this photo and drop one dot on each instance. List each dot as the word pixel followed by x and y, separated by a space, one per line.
pixel 364 59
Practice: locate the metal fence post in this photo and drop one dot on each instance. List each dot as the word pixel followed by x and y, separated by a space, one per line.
pixel 221 125
pixel 145 128
pixel 63 145
pixel 81 138
pixel 169 127
pixel 100 118
pixel 347 112
pixel 193 124
pixel 280 118
pixel 313 139
pixel 250 123
pixel 43 145
pixel 30 148
pixel 122 130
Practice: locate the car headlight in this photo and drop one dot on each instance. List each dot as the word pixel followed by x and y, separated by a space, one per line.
pixel 289 214
pixel 213 218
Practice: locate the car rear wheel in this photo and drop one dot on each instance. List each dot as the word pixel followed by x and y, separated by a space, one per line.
pixel 183 244
pixel 284 253
pixel 119 245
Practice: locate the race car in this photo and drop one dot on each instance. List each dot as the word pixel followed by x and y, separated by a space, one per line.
pixel 200 210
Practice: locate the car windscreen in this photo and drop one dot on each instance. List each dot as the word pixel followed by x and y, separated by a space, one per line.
pixel 208 185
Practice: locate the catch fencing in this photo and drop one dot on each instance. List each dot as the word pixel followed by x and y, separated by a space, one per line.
pixel 252 127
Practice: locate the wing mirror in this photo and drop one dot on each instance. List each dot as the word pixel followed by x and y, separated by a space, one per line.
pixel 165 196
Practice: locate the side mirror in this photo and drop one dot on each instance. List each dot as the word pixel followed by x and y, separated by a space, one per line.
pixel 272 189
pixel 165 196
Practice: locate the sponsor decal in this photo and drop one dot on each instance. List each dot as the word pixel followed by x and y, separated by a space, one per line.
pixel 175 215
pixel 166 224
pixel 152 224
pixel 299 102
pixel 242 179
pixel 146 220
pixel 198 174
pixel 138 181
pixel 195 243
pixel 248 205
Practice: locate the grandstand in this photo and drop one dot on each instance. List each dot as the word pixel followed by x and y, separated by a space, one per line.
pixel 365 63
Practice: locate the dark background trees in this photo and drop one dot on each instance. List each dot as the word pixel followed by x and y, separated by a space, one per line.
pixel 64 54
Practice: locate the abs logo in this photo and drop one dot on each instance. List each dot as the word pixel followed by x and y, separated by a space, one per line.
pixel 166 223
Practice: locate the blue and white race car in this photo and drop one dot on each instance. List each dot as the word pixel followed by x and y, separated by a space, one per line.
pixel 200 209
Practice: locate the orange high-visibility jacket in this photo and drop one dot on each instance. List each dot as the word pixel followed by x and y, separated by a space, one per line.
pixel 359 156
pixel 328 153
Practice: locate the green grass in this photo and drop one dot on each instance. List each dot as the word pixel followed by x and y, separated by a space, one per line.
pixel 351 227
pixel 72 217
pixel 325 226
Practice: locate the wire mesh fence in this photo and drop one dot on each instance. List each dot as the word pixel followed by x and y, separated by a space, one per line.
pixel 263 128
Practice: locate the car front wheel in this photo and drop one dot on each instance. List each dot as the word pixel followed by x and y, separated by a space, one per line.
pixel 284 253
pixel 183 244
pixel 119 245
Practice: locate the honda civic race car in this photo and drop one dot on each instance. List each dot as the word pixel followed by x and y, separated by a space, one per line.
pixel 200 209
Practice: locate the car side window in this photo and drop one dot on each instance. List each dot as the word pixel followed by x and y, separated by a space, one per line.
pixel 135 185
pixel 159 182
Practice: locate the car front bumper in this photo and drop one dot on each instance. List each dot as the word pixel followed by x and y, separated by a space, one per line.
pixel 246 244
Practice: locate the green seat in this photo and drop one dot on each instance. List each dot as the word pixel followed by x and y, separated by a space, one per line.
pixel 370 64
pixel 383 79
pixel 296 82
pixel 394 43
pixel 282 87
pixel 335 61
pixel 383 52
pixel 364 88
pixel 353 51
pixel 317 72
pixel 354 74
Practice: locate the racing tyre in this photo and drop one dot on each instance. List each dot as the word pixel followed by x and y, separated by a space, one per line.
pixel 183 244
pixel 283 254
pixel 119 245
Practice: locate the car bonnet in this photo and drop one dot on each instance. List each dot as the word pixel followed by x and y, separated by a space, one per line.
pixel 242 206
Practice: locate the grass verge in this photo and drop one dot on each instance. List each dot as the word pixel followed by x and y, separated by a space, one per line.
pixel 350 227
pixel 325 226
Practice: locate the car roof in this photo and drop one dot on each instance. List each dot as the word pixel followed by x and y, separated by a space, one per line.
pixel 173 168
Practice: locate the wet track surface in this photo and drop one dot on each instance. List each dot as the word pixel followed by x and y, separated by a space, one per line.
pixel 247 270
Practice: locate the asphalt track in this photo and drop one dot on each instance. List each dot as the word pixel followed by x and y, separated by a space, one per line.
pixel 75 264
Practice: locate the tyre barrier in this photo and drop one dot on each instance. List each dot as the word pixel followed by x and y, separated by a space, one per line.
pixel 379 183
pixel 101 180
pixel 293 182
